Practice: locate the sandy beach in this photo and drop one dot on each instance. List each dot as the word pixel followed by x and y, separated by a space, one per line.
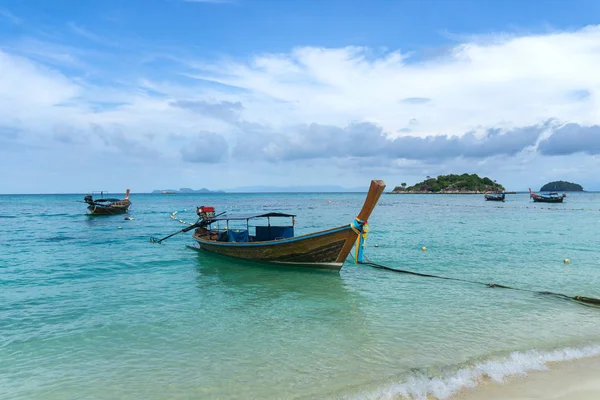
pixel 570 380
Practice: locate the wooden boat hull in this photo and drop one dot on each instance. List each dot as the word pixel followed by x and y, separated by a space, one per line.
pixel 326 249
pixel 493 198
pixel 547 200
pixel 113 209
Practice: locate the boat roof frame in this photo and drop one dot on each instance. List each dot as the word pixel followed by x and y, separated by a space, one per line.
pixel 248 216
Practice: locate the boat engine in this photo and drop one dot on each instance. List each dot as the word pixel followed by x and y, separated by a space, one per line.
pixel 205 212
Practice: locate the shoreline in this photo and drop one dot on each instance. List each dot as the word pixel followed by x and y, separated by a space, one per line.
pixel 576 379
pixel 568 373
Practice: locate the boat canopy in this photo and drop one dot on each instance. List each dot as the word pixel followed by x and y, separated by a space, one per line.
pixel 246 216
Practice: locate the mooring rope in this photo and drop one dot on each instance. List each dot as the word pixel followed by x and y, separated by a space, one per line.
pixel 589 301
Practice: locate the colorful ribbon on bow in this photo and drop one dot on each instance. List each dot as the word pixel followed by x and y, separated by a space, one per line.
pixel 361 228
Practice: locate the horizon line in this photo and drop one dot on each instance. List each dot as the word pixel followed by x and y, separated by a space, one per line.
pixel 219 191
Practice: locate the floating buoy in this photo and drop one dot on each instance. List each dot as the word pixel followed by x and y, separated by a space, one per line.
pixel 128 219
pixel 423 248
pixel 566 261
pixel 118 227
pixel 376 245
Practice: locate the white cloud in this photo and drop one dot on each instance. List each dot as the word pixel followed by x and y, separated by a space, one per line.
pixel 506 83
pixel 28 88
pixel 510 82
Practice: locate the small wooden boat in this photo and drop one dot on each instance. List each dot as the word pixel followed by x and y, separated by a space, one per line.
pixel 277 244
pixel 495 196
pixel 107 206
pixel 551 197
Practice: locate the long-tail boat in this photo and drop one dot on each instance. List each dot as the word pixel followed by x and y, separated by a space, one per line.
pixel 551 197
pixel 495 196
pixel 277 244
pixel 107 206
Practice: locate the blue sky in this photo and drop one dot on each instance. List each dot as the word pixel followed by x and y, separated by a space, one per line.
pixel 222 94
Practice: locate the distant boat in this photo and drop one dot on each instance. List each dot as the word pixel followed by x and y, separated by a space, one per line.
pixel 277 244
pixel 168 192
pixel 495 196
pixel 107 206
pixel 551 197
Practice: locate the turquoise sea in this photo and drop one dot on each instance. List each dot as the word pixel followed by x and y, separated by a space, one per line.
pixel 91 311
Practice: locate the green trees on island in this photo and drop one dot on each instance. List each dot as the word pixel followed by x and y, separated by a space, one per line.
pixel 452 183
pixel 561 186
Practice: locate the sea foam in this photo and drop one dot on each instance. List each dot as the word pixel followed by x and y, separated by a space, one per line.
pixel 516 364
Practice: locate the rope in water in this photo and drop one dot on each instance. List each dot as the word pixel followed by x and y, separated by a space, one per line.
pixel 589 301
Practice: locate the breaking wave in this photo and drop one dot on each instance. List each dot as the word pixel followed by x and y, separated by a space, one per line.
pixel 421 386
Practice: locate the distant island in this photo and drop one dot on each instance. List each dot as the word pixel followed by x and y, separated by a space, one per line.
pixel 184 191
pixel 297 189
pixel 451 184
pixel 561 186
